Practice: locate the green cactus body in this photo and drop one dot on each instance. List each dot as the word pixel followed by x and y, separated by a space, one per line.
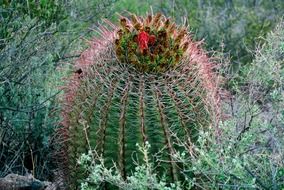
pixel 120 96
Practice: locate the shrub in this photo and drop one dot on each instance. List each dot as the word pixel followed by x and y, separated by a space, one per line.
pixel 143 176
pixel 35 38
pixel 248 154
pixel 27 98
pixel 29 54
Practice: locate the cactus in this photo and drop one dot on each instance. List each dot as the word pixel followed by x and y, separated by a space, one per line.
pixel 138 82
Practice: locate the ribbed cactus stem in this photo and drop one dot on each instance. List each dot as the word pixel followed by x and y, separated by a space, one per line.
pixel 139 82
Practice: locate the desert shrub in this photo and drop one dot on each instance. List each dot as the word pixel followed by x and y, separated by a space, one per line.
pixel 248 153
pixel 265 79
pixel 143 177
pixel 27 91
pixel 238 160
pixel 37 37
pixel 11 12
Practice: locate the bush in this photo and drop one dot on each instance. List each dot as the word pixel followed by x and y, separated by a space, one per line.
pixel 144 176
pixel 27 94
pixel 248 153
pixel 36 38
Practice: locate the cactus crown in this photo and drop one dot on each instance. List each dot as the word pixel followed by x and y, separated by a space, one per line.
pixel 151 44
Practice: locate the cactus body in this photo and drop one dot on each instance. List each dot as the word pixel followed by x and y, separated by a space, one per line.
pixel 144 80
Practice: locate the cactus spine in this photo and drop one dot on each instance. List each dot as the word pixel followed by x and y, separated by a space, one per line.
pixel 140 81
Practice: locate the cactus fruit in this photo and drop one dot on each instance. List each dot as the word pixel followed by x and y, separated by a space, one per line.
pixel 138 82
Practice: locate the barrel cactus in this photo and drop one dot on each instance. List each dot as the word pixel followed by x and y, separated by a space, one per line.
pixel 143 80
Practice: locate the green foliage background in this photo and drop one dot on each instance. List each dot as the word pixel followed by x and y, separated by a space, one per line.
pixel 39 39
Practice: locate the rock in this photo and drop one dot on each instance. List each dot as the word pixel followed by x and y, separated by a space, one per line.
pixel 18 182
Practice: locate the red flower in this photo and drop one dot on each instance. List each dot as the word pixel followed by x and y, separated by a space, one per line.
pixel 143 39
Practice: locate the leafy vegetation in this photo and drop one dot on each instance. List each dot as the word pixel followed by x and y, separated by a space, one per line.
pixel 143 177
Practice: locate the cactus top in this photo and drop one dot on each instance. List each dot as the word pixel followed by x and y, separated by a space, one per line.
pixel 151 44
